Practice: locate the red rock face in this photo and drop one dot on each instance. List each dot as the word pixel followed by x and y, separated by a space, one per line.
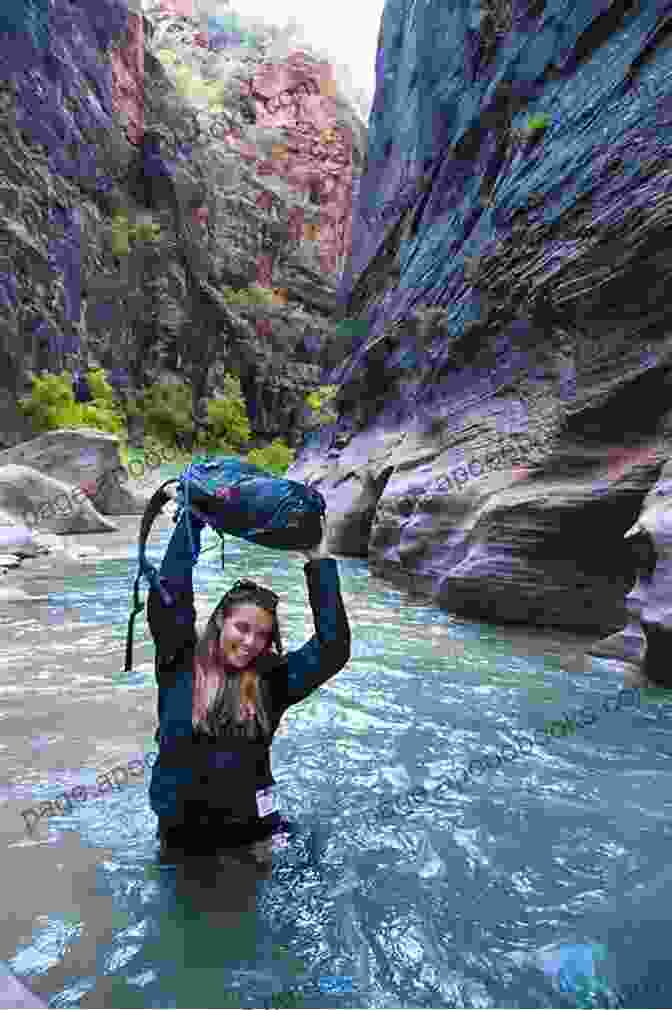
pixel 298 94
pixel 621 460
pixel 265 270
pixel 128 79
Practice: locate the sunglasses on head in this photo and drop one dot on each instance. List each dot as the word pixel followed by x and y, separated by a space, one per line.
pixel 247 586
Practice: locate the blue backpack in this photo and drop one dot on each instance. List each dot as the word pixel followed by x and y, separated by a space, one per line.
pixel 236 498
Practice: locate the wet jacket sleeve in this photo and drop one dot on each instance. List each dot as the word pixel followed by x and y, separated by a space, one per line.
pixel 173 627
pixel 328 650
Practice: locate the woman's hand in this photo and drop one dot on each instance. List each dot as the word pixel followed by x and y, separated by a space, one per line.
pixel 321 550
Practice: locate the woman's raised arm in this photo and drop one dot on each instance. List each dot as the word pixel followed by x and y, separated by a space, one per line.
pixel 321 550
pixel 328 650
pixel 173 627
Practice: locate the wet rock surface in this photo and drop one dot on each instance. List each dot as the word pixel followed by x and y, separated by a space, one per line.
pixel 650 599
pixel 494 262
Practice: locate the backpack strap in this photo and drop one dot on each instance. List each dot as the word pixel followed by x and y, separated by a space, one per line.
pixel 152 509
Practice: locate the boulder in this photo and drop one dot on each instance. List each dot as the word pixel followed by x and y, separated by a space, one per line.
pixel 650 599
pixel 41 501
pixel 353 506
pixel 81 457
pixel 628 645
pixel 481 534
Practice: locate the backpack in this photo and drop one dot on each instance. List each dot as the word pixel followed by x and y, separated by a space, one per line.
pixel 236 498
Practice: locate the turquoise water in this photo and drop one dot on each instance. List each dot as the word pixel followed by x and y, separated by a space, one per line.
pixel 472 898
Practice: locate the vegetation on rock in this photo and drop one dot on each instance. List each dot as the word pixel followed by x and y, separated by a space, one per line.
pixel 52 404
pixel 276 457
pixel 254 295
pixel 166 409
pixel 318 401
pixel 122 233
pixel 538 122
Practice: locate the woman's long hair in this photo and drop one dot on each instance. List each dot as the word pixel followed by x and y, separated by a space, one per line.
pixel 218 690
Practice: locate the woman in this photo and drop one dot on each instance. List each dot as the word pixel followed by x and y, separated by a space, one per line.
pixel 221 697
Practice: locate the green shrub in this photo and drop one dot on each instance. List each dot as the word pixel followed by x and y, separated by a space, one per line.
pixel 538 122
pixel 50 398
pixel 101 390
pixel 52 404
pixel 318 401
pixel 191 85
pixel 261 295
pixel 228 420
pixel 122 233
pixel 276 457
pixel 167 411
pixel 254 295
pixel 93 416
pixel 145 231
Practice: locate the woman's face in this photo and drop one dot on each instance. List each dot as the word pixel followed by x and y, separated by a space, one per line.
pixel 245 634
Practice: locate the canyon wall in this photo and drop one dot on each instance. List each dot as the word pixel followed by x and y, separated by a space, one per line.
pixel 150 163
pixel 503 400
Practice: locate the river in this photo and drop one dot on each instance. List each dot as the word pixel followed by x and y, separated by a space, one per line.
pixel 452 904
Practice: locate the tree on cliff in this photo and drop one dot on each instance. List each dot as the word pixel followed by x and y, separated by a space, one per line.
pixel 127 306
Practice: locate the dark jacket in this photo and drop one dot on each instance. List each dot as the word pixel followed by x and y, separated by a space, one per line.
pixel 198 780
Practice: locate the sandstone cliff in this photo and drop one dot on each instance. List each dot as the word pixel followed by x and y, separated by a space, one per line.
pixel 149 162
pixel 503 403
